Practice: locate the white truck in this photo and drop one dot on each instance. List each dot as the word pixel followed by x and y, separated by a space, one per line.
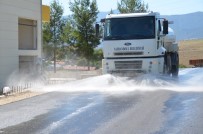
pixel 138 43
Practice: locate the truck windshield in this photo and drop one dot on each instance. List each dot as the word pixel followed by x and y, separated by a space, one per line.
pixel 129 28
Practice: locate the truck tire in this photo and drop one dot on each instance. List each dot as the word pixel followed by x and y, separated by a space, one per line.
pixel 167 68
pixel 175 68
pixel 174 71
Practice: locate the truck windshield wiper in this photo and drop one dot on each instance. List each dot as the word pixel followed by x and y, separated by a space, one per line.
pixel 139 36
pixel 132 36
pixel 118 37
pixel 115 37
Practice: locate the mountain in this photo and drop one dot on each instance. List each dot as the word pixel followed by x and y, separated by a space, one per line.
pixel 186 26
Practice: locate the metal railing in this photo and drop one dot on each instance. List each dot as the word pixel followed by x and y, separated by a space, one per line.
pixel 15 89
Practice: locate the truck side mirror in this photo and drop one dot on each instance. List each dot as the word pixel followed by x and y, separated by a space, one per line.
pixel 97 30
pixel 165 27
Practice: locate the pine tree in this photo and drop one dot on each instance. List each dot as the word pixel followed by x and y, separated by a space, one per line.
pixel 111 12
pixel 85 14
pixel 132 6
pixel 52 31
pixel 67 51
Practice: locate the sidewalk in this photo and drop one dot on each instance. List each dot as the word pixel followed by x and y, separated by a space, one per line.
pixel 17 97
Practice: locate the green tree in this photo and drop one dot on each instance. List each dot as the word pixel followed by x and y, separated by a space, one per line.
pixel 68 31
pixel 84 15
pixel 132 6
pixel 111 12
pixel 68 50
pixel 97 60
pixel 52 31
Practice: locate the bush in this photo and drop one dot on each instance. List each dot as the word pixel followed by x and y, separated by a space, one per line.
pixel 182 66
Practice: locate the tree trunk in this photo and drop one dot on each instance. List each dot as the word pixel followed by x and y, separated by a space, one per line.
pixel 88 63
pixel 54 58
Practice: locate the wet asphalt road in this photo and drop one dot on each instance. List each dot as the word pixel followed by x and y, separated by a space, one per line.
pixel 156 112
pixel 168 106
pixel 69 113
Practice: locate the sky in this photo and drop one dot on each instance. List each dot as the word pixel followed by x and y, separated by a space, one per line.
pixel 164 7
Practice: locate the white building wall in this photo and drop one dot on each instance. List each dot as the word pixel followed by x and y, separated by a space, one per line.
pixel 10 11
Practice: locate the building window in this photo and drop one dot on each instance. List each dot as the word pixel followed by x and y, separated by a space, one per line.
pixel 27 64
pixel 27 34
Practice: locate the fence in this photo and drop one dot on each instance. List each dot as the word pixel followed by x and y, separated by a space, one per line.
pixel 11 90
pixel 15 89
pixel 51 81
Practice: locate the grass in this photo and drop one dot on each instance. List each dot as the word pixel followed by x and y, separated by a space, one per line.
pixel 190 50
pixel 189 45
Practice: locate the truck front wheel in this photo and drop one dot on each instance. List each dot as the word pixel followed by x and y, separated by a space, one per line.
pixel 175 68
pixel 167 64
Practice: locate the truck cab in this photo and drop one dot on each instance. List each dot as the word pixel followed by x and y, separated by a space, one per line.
pixel 137 43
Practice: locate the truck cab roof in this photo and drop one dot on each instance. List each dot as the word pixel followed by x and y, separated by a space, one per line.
pixel 131 15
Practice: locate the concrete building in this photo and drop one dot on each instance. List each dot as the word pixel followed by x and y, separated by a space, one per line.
pixel 20 37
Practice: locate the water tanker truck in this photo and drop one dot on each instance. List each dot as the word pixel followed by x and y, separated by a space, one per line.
pixel 138 43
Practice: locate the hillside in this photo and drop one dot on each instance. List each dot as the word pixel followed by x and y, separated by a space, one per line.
pixel 187 26
pixel 190 50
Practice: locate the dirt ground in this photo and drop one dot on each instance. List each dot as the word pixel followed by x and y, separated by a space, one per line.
pixel 190 50
pixel 17 97
pixel 72 74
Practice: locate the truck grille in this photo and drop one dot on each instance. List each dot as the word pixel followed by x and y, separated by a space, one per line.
pixel 126 65
pixel 128 53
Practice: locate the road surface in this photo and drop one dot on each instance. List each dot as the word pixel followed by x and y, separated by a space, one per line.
pixel 112 105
